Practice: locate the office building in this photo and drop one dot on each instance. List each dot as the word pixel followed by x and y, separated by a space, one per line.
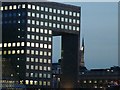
pixel 27 30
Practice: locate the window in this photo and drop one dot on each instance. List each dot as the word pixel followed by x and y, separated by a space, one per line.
pixel 13 51
pixel 31 81
pixel 62 11
pixel 29 21
pixel 14 7
pixel 36 52
pixel 78 14
pixel 41 23
pixel 58 25
pixel 46 24
pixel 32 59
pixel 70 27
pixel 66 12
pixel 54 17
pixel 49 53
pixel 45 60
pixel 33 14
pixel 46 16
pixel 78 21
pixel 54 25
pixel 70 20
pixel 58 18
pixel 40 67
pixel 49 68
pixel 78 28
pixel 32 51
pixel 22 51
pixel 38 8
pixel 37 30
pixel 50 9
pixel 49 75
pixel 40 60
pixel 49 39
pixel 27 66
pixel 45 38
pixel 40 75
pixel 28 29
pixel 36 59
pixel 27 59
pixel 74 13
pixel 32 44
pixel 62 26
pixel 33 7
pixel 28 51
pixel 58 11
pixel 45 53
pixel 37 22
pixel 0 52
pixel 70 13
pixel 9 44
pixel 33 37
pixel 49 46
pixel 41 45
pixel 45 31
pixel 42 8
pixel 42 16
pixel 37 15
pixel 29 6
pixel 50 17
pixel 66 26
pixel 33 21
pixel 45 45
pixel 73 27
pixel 50 24
pixel 62 19
pixel 0 45
pixel 13 44
pixel 41 30
pixel 18 51
pixel 26 81
pixel 46 9
pixel 44 83
pixel 6 8
pixel 41 38
pixel 23 6
pixel 28 36
pixel 32 67
pixel 37 37
pixel 5 44
pixel 36 67
pixel 10 7
pixel 54 10
pixel 22 43
pixel 33 29
pixel 45 68
pixel 74 21
pixel 28 44
pixel 41 52
pixel 29 13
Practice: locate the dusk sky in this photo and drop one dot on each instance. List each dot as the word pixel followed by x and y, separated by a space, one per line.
pixel 99 27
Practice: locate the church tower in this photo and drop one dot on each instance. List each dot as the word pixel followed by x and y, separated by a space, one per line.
pixel 82 63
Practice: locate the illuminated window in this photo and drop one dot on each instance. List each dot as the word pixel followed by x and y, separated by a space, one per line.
pixel 54 10
pixel 26 81
pixel 49 53
pixel 46 23
pixel 41 30
pixel 74 21
pixel 45 45
pixel 54 25
pixel 45 31
pixel 37 45
pixel 49 61
pixel 28 29
pixel 27 74
pixel 32 37
pixel 74 13
pixel 58 11
pixel 14 7
pixel 62 11
pixel 31 82
pixel 3 53
pixel 44 75
pixel 84 81
pixel 78 28
pixel 31 74
pixel 44 83
pixel 22 43
pixel 54 17
pixel 49 39
pixel 5 44
pixel 41 38
pixel 9 52
pixel 70 13
pixel 40 75
pixel 28 44
pixel 28 36
pixel 36 52
pixel 50 24
pixel 49 46
pixel 37 23
pixel 18 51
pixel 41 45
pixel 1 8
pixel 9 44
pixel 48 83
pixel 29 6
pixel 32 51
pixel 23 6
pixel 49 68
pixel 38 8
pixel 10 7
pixel 70 27
pixel 37 15
pixel 35 82
pixel 33 21
pixel 41 23
pixel 78 21
pixel 46 9
pixel 62 26
pixel 36 67
pixel 6 8
pixel 33 14
pixel 40 82
pixel 33 7
pixel 66 19
pixel 78 14
pixel 36 59
pixel 42 8
pixel 45 53
pixel 41 52
pixel 28 51
pixel 27 59
pixel 27 66
pixel 33 29
pixel 66 27
pixel 22 51
pixel 28 21
pixel 32 59
pixel 32 67
pixel 70 20
pixel 50 17
pixel 50 9
pixel 73 27
pixel 40 60
pixel 58 18
pixel 13 51
pixel 0 52
pixel 40 67
pixel 0 45
pixel 58 25
pixel 66 12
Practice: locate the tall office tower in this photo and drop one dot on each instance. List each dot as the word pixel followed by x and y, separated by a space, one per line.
pixel 27 30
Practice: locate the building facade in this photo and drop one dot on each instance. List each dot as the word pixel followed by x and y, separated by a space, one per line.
pixel 27 30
